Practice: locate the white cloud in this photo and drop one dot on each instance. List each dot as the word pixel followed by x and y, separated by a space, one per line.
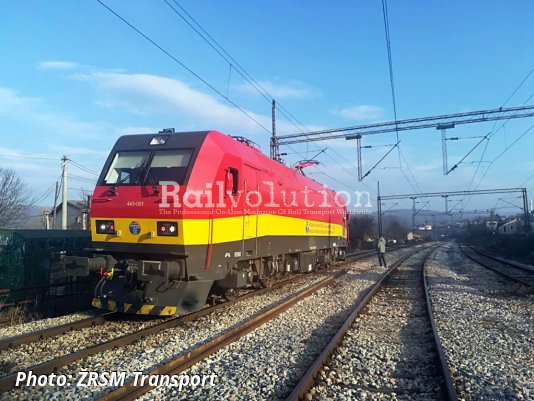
pixel 146 94
pixel 360 112
pixel 293 90
pixel 57 65
pixel 11 103
pixel 30 111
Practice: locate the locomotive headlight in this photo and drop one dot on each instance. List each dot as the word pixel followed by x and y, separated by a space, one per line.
pixel 167 228
pixel 158 140
pixel 105 227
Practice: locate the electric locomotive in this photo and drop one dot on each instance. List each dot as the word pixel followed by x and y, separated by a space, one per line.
pixel 180 217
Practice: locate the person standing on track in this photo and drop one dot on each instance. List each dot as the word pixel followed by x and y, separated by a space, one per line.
pixel 381 250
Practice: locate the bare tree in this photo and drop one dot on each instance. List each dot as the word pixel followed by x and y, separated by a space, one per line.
pixel 15 198
pixel 84 197
pixel 395 230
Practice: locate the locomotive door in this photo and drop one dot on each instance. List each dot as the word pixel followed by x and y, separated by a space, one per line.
pixel 251 202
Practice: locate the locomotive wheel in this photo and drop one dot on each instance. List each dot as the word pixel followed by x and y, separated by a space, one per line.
pixel 266 282
pixel 231 294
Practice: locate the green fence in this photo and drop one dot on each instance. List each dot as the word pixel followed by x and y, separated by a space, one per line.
pixel 29 263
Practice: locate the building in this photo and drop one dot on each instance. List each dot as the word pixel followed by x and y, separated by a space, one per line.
pixel 411 237
pixel 514 226
pixel 491 225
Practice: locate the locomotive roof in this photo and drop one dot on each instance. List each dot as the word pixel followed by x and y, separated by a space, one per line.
pixel 175 139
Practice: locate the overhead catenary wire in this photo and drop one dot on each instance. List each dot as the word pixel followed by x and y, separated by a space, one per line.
pixel 235 65
pixel 291 118
pixel 175 59
pixel 219 49
pixel 518 87
pixel 385 15
pixel 390 65
pixel 388 40
pixel 503 125
pixel 503 152
pixel 323 173
pixel 187 68
pixel 493 132
pixel 215 45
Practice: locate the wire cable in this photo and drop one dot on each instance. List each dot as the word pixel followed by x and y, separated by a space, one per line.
pixel 83 168
pixel 78 177
pixel 518 87
pixel 503 152
pixel 172 57
pixel 30 157
pixel 219 49
pixel 390 64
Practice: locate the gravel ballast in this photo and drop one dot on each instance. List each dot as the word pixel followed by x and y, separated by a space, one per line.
pixel 268 362
pixel 487 328
pixel 151 352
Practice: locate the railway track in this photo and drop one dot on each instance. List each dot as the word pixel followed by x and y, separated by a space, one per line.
pixel 198 354
pixel 7 382
pixel 510 271
pixel 395 311
pixel 92 321
pixel 178 365
pixel 53 331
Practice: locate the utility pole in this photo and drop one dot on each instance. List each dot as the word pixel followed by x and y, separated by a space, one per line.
pixel 413 213
pixel 359 154
pixel 64 206
pixel 443 128
pixel 379 210
pixel 446 203
pixel 56 195
pixel 525 210
pixel 274 141
pixel 46 219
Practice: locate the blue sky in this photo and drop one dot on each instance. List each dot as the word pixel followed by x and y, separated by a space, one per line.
pixel 74 78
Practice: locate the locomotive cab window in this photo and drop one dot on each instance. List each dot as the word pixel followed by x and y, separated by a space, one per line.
pixel 126 168
pixel 232 180
pixel 169 165
pixel 133 167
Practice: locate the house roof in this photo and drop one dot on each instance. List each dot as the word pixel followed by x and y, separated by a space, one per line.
pixel 514 221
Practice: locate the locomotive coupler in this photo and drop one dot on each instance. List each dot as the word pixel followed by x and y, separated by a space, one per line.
pixel 82 266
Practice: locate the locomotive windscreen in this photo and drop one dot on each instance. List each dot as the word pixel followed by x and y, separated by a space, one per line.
pixel 136 167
